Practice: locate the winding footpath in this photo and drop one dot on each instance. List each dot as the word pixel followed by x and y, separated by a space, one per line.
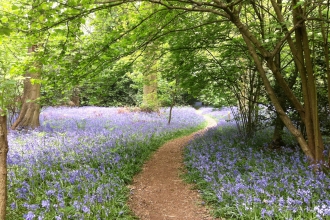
pixel 158 192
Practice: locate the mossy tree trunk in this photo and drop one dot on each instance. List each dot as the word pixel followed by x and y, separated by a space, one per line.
pixel 150 89
pixel 150 82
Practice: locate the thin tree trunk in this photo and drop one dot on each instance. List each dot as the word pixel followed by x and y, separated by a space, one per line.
pixel 250 41
pixel 310 96
pixel 251 104
pixel 3 165
pixel 170 114
pixel 30 111
pixel 255 100
pixel 302 58
pixel 297 61
pixel 277 140
pixel 278 133
pixel 286 120
pixel 325 34
pixel 173 99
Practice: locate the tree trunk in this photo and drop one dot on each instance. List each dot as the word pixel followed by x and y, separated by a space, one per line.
pixel 75 97
pixel 284 117
pixel 29 114
pixel 277 140
pixel 325 35
pixel 150 84
pixel 150 89
pixel 313 147
pixel 173 99
pixel 3 165
pixel 170 114
pixel 308 84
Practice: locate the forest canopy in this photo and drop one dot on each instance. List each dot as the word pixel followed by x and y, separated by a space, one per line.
pixel 153 53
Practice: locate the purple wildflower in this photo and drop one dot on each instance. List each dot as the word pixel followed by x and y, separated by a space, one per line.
pixel 29 216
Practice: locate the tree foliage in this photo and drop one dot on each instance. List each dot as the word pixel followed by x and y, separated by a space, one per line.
pixel 221 51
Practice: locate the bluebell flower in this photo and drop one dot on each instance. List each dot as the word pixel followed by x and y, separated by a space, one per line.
pixel 29 216
pixel 13 205
pixel 50 192
pixel 76 205
pixel 85 209
pixel 45 204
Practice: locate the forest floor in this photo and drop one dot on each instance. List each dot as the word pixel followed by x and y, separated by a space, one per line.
pixel 159 193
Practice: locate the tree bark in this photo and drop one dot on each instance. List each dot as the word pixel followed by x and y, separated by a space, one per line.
pixel 284 117
pixel 75 97
pixel 150 84
pixel 325 34
pixel 277 140
pixel 150 89
pixel 3 165
pixel 302 58
pixel 308 84
pixel 173 99
pixel 30 111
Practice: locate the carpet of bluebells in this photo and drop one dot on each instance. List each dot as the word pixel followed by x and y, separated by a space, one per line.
pixel 246 180
pixel 78 163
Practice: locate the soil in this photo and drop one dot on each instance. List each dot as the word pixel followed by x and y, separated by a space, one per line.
pixel 159 193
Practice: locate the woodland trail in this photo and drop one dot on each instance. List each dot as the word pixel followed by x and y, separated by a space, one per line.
pixel 158 192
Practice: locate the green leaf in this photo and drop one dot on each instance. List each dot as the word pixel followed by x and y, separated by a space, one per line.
pixel 299 4
pixel 5 31
pixel 41 18
pixel 58 30
pixel 14 7
pixel 72 2
pixel 83 21
pixel 4 19
pixel 45 6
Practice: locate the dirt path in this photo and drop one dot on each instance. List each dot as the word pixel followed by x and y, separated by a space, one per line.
pixel 158 192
